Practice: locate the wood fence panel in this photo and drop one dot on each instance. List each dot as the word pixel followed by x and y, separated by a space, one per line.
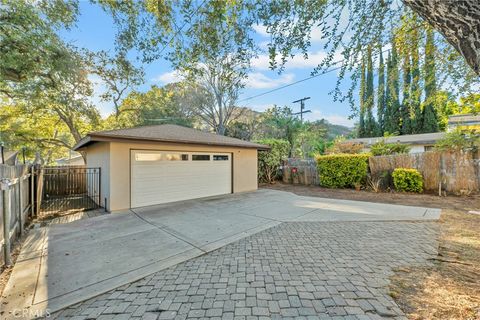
pixel 456 172
pixel 20 201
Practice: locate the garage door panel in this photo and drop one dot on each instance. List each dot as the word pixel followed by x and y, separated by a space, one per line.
pixel 160 181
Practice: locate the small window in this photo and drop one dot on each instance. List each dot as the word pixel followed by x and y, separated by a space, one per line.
pixel 148 157
pixel 176 157
pixel 220 158
pixel 200 157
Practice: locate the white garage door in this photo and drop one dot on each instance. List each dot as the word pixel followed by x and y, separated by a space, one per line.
pixel 164 176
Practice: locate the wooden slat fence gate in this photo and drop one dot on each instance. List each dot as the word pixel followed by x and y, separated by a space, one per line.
pixel 69 188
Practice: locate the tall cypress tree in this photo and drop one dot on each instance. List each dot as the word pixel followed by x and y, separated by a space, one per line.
pixel 387 117
pixel 405 114
pixel 381 108
pixel 415 90
pixel 361 124
pixel 393 104
pixel 430 120
pixel 370 125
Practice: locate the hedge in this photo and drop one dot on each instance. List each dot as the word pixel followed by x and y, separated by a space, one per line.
pixel 407 180
pixel 342 170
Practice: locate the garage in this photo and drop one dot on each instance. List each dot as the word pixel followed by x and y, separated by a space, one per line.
pixel 166 176
pixel 160 164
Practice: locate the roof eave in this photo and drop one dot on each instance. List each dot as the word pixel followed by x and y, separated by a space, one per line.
pixel 106 138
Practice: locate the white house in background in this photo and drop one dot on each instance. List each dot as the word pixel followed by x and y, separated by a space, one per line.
pixel 75 159
pixel 418 142
pixel 464 122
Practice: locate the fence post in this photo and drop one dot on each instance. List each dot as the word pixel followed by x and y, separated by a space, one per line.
pixel 5 188
pixel 20 199
pixel 32 192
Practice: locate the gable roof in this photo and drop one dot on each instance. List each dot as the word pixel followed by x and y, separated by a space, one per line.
pixel 169 133
pixel 423 138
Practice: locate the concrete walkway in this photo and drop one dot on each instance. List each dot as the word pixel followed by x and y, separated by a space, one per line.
pixel 61 265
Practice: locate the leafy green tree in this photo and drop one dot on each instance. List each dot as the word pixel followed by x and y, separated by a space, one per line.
pixel 118 75
pixel 405 113
pixel 415 88
pixel 381 105
pixel 269 162
pixel 33 55
pixel 281 123
pixel 370 125
pixel 392 123
pixel 159 105
pixel 362 132
pixel 430 121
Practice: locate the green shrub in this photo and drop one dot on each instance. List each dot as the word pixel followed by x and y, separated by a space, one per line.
pixel 382 148
pixel 269 161
pixel 407 180
pixel 342 170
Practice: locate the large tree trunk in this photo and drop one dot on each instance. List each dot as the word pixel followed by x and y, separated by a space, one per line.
pixel 458 21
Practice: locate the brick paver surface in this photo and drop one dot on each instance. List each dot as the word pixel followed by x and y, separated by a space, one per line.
pixel 295 270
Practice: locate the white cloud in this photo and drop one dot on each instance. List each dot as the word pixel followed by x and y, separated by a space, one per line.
pixel 168 77
pixel 262 62
pixel 258 80
pixel 261 30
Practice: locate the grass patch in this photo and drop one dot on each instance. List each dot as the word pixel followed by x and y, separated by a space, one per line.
pixel 450 288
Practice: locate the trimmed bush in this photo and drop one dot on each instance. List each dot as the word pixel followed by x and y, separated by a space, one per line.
pixel 409 180
pixel 270 161
pixel 342 170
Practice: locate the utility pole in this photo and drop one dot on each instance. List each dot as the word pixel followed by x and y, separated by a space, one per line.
pixel 302 107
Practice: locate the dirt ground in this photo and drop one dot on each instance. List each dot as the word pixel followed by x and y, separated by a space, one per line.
pixel 450 289
pixel 6 271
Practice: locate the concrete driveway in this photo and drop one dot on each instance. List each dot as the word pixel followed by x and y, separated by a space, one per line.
pixel 61 265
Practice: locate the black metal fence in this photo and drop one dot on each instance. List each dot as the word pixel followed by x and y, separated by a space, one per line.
pixel 67 188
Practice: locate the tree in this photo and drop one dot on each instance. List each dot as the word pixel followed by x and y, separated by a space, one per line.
pixel 361 124
pixel 381 107
pixel 159 105
pixel 370 125
pixel 117 74
pixel 448 17
pixel 32 53
pixel 415 89
pixel 392 124
pixel 430 121
pixel 280 123
pixel 405 112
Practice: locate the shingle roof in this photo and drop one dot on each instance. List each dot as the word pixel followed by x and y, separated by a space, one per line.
pixel 167 133
pixel 464 119
pixel 424 138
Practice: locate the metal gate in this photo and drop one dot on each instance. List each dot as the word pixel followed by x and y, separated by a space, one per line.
pixel 69 188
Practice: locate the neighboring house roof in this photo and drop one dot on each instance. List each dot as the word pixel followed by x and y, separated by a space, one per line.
pixel 464 119
pixel 68 160
pixel 424 138
pixel 10 157
pixel 169 133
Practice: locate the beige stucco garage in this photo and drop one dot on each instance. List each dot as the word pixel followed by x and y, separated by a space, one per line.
pixel 166 163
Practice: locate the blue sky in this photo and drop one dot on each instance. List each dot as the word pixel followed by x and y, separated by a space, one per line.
pixel 95 31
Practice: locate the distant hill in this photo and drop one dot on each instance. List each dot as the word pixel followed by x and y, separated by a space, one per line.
pixel 335 130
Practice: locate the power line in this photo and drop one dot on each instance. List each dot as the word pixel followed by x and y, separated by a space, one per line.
pixel 290 84
pixel 299 81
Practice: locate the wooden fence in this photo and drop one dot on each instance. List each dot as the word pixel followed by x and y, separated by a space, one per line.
pixel 300 171
pixel 16 205
pixel 452 172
